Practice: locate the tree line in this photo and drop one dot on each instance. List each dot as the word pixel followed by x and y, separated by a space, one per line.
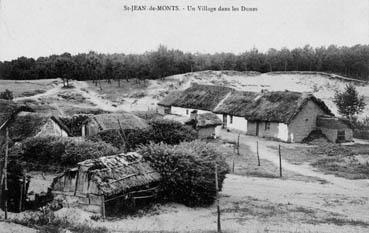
pixel 348 61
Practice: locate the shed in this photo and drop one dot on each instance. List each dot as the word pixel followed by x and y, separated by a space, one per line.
pixel 335 129
pixel 125 120
pixel 102 184
pixel 204 123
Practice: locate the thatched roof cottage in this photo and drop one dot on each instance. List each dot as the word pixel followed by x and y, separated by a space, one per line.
pixel 284 115
pixel 125 120
pixel 98 185
pixel 31 124
pixel 203 98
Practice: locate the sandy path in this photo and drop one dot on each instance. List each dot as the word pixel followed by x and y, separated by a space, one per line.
pixel 51 92
pixel 265 152
pixel 6 227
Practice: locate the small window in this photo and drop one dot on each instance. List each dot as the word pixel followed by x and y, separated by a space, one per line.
pixel 187 111
pixel 231 119
pixel 306 120
pixel 167 110
pixel 267 125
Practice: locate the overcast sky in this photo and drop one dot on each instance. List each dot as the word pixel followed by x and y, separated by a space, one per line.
pixel 42 27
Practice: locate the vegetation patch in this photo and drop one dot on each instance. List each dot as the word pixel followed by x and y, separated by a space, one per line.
pixel 187 170
pixel 41 152
pixel 46 221
pixel 159 130
pixel 351 161
pixel 32 93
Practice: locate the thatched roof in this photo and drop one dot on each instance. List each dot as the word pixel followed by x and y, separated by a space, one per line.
pixel 330 122
pixel 277 106
pixel 207 119
pixel 8 110
pixel 119 173
pixel 112 120
pixel 205 97
pixel 29 124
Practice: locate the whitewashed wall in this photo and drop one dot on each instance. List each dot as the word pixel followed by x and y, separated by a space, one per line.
pixel 238 123
pixel 304 122
pixel 186 111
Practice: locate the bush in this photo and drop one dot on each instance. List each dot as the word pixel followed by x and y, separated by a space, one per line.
pixel 361 128
pixel 166 131
pixel 77 151
pixel 6 95
pixel 127 139
pixel 170 132
pixel 187 171
pixel 63 151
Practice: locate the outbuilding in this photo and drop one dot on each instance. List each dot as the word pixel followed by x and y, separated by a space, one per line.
pixel 124 120
pixel 31 124
pixel 335 129
pixel 205 124
pixel 107 184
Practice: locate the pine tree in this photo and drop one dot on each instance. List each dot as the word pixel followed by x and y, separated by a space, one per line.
pixel 349 102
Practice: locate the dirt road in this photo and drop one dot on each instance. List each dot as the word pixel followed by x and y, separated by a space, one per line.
pixel 267 152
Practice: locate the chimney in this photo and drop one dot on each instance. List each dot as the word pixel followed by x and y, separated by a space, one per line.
pixel 193 115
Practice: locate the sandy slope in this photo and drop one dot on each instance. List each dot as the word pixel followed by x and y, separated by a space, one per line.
pixel 322 86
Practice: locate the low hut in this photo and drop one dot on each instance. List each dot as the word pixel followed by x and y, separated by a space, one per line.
pixel 97 123
pixel 30 124
pixel 100 185
pixel 335 129
pixel 204 123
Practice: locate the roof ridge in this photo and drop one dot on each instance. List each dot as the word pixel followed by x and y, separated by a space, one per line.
pixel 222 101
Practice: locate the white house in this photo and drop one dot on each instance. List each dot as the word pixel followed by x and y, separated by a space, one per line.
pixel 203 98
pixel 283 115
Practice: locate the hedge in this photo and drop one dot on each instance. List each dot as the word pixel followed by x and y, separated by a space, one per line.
pixel 187 170
pixel 160 130
pixel 63 151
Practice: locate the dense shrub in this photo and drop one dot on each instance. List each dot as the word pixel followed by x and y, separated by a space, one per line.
pixel 6 95
pixel 187 170
pixel 127 139
pixel 63 151
pixel 169 132
pixel 44 150
pixel 361 128
pixel 77 151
